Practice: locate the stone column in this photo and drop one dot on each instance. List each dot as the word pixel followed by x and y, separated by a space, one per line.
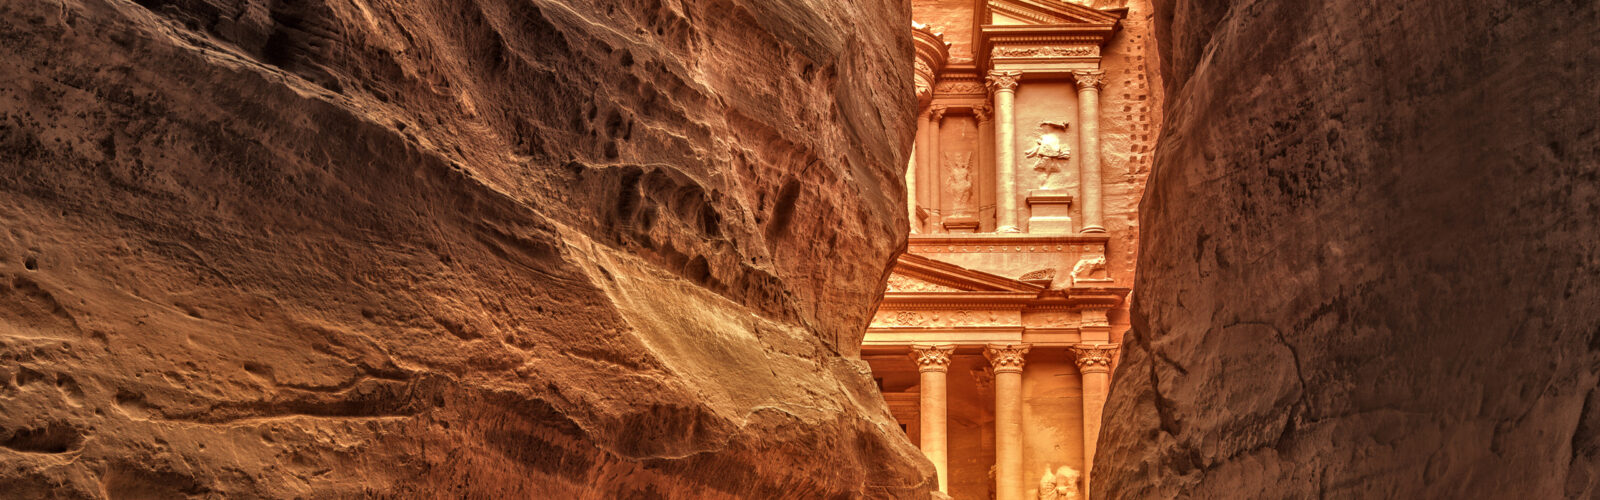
pixel 1007 361
pixel 1089 148
pixel 1094 364
pixel 982 167
pixel 934 363
pixel 911 189
pixel 936 175
pixel 1004 86
pixel 921 149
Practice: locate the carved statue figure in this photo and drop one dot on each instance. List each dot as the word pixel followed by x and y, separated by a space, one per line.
pixel 1050 154
pixel 960 167
pixel 1062 485
pixel 1093 268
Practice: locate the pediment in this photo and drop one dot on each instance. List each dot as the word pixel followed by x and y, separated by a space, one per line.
pixel 1045 13
pixel 916 273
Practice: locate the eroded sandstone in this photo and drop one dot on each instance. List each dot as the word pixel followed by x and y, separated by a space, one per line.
pixel 1370 265
pixel 490 248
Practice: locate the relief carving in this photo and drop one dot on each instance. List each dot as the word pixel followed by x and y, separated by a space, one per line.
pixel 1062 485
pixel 938 319
pixel 1090 269
pixel 902 283
pixel 1079 51
pixel 1050 153
pixel 959 165
pixel 960 87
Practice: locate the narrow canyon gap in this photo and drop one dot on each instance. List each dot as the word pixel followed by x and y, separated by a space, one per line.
pixel 464 248
pixel 1370 266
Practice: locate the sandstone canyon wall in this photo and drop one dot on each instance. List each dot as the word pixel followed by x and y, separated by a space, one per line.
pixel 464 248
pixel 1371 261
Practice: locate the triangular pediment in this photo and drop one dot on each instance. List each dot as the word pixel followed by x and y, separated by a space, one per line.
pixel 915 273
pixel 1045 13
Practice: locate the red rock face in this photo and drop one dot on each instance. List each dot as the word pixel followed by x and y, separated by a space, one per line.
pixel 1370 265
pixel 487 248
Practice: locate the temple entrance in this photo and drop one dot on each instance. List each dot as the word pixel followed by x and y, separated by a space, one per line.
pixel 996 338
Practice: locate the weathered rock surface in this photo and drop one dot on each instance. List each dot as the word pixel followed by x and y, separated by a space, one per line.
pixel 1371 261
pixel 466 248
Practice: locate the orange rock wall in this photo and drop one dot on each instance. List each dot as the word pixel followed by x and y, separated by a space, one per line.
pixel 465 249
pixel 1369 265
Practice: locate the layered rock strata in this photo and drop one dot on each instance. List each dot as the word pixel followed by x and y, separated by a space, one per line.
pixel 467 248
pixel 1371 262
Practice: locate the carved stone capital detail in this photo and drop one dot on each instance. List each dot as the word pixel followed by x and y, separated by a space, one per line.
pixel 1006 358
pixel 936 113
pixel 1089 79
pixel 1003 80
pixel 1094 357
pixel 934 358
pixel 982 113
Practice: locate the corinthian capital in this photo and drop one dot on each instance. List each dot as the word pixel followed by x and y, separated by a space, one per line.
pixel 936 113
pixel 1094 357
pixel 1003 80
pixel 1089 79
pixel 981 112
pixel 1006 358
pixel 932 358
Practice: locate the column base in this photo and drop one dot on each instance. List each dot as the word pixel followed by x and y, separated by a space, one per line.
pixel 1050 211
pixel 1093 229
pixel 961 224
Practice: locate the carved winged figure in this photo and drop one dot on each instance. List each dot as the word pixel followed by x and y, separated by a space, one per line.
pixel 1048 152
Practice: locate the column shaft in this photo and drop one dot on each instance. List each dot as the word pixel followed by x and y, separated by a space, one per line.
pixel 1089 149
pixel 934 363
pixel 1008 361
pixel 935 440
pixel 1004 85
pixel 936 201
pixel 921 149
pixel 983 168
pixel 911 189
pixel 1094 365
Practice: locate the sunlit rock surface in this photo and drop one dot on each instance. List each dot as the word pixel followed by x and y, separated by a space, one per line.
pixel 466 248
pixel 1371 261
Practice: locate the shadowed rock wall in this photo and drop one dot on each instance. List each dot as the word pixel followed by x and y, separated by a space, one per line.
pixel 464 248
pixel 1371 260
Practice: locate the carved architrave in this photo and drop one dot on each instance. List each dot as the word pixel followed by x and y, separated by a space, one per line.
pixel 1006 358
pixel 940 318
pixel 1094 357
pixel 1003 80
pixel 959 87
pixel 932 358
pixel 1049 51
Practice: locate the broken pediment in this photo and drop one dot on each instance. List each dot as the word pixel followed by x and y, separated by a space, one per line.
pixel 916 273
pixel 1046 13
